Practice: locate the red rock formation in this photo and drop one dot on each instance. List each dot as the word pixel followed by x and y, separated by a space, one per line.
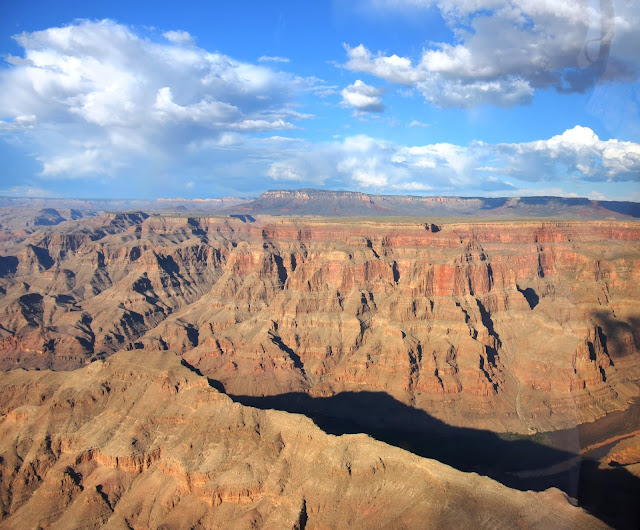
pixel 509 326
pixel 143 442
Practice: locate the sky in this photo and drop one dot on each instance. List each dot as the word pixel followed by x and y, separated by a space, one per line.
pixel 137 99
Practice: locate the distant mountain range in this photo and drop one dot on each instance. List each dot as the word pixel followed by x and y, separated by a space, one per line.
pixel 174 204
pixel 355 204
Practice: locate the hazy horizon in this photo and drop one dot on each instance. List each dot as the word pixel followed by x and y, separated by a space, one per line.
pixel 257 195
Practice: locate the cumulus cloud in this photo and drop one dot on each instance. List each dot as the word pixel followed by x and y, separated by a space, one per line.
pixel 391 68
pixel 577 152
pixel 284 171
pixel 504 51
pixel 363 97
pixel 77 164
pixel 179 37
pixel 19 123
pixel 439 89
pixel 573 157
pixel 94 97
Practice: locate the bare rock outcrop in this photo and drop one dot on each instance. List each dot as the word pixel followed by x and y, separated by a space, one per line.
pixel 507 326
pixel 141 441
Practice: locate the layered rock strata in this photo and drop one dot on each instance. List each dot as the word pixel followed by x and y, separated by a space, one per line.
pixel 140 441
pixel 507 326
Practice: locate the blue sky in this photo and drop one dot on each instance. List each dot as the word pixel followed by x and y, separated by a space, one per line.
pixel 428 97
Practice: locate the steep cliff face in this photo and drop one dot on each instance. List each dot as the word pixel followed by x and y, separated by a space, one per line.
pixel 508 326
pixel 140 441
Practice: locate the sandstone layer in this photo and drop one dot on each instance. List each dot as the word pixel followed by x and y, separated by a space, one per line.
pixel 509 326
pixel 141 441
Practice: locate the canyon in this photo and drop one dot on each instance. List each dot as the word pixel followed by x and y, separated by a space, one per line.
pixel 525 326
pixel 144 442
pixel 454 338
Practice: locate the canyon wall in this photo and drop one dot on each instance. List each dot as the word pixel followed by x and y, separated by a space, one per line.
pixel 509 326
pixel 141 441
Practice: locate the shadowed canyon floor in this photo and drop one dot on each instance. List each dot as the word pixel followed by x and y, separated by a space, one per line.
pixel 479 343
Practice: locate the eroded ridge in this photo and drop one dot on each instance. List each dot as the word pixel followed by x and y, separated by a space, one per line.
pixel 142 441
pixel 510 326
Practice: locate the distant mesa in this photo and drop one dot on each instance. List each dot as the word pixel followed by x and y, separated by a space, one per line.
pixel 355 204
pixel 328 203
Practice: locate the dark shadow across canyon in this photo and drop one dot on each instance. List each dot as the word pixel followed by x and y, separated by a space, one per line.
pixel 619 338
pixel 609 494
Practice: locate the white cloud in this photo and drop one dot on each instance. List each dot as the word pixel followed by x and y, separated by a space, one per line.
pixel 273 59
pixel 19 123
pixel 437 88
pixel 102 84
pixel 578 152
pixel 504 51
pixel 262 125
pixel 416 123
pixel 364 172
pixel 209 113
pixel 391 68
pixel 363 97
pixel 179 37
pixel 75 164
pixel 90 160
pixel 284 171
pixel 455 93
pixel 364 162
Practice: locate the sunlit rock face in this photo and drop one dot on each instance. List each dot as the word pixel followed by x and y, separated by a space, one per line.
pixel 142 441
pixel 507 326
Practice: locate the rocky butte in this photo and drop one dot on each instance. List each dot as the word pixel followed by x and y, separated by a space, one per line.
pixel 503 344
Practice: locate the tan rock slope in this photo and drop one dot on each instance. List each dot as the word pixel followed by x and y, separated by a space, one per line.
pixel 507 326
pixel 140 441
